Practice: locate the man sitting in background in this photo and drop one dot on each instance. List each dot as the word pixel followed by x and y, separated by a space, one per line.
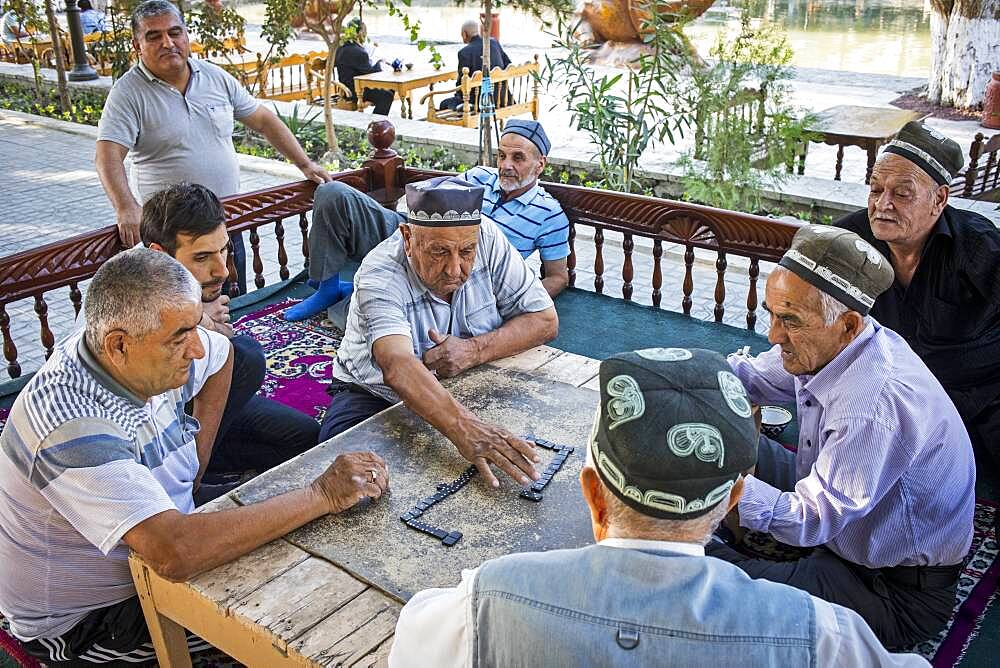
pixel 187 222
pixel 347 224
pixel 666 460
pixel 99 457
pixel 352 59
pixel 91 20
pixel 471 57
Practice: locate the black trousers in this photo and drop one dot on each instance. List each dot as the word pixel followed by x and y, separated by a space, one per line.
pixel 113 636
pixel 382 99
pixel 255 432
pixel 351 404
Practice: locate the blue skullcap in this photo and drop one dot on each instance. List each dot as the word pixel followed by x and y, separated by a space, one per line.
pixel 530 130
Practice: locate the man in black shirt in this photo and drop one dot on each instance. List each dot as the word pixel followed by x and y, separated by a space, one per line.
pixel 471 57
pixel 945 300
pixel 352 60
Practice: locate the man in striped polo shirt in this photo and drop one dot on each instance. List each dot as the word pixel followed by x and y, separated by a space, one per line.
pixel 446 292
pixel 883 482
pixel 347 224
pixel 99 456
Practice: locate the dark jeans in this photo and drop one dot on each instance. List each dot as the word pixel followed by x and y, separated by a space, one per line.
pixel 382 99
pixel 121 632
pixel 450 102
pixel 902 605
pixel 255 432
pixel 351 405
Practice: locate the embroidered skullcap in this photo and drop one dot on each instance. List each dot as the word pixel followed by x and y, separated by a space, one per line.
pixel 444 201
pixel 674 431
pixel 929 150
pixel 839 263
pixel 530 130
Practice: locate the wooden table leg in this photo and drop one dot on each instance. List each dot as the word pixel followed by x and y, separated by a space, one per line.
pixel 840 161
pixel 169 637
pixel 872 152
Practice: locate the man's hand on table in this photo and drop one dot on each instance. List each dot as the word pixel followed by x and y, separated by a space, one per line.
pixel 215 316
pixel 352 477
pixel 128 225
pixel 451 355
pixel 483 444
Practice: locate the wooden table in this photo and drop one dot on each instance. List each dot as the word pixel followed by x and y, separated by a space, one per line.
pixel 402 84
pixel 281 606
pixel 866 127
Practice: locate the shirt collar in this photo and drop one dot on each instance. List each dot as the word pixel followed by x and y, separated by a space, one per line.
pixel 690 549
pixel 91 364
pixel 821 384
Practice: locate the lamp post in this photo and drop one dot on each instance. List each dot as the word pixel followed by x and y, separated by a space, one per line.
pixel 82 71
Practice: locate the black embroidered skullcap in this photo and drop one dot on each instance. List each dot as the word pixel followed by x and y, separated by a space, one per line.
pixel 839 263
pixel 444 201
pixel 674 431
pixel 530 130
pixel 929 150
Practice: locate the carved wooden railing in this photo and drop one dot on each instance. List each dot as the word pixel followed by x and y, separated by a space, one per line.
pixel 33 273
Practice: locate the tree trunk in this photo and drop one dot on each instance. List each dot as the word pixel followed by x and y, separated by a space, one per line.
pixel 485 134
pixel 331 134
pixel 61 85
pixel 965 50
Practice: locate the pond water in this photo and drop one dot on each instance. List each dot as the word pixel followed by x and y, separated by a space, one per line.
pixel 871 36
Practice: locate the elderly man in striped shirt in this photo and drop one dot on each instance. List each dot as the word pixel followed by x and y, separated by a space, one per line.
pixel 883 482
pixel 99 457
pixel 443 294
pixel 347 224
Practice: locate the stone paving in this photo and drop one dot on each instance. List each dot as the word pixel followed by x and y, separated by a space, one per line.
pixel 52 192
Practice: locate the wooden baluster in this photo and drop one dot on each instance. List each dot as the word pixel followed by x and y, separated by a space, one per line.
pixel 42 311
pixel 752 294
pixel 304 228
pixel 599 260
pixel 657 272
pixel 840 161
pixel 76 298
pixel 9 349
pixel 627 270
pixel 279 234
pixel 720 286
pixel 571 260
pixel 688 286
pixel 258 264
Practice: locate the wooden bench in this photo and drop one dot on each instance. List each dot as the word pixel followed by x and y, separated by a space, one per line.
pixel 981 179
pixel 515 92
pixel 616 220
pixel 747 107
pixel 295 77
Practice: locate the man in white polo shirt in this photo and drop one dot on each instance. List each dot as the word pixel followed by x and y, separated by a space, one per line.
pixel 98 456
pixel 175 115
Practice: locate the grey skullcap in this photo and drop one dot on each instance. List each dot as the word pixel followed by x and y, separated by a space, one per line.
pixel 839 263
pixel 929 150
pixel 444 201
pixel 530 130
pixel 673 432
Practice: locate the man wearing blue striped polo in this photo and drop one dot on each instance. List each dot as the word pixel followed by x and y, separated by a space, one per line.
pixel 347 224
pixel 883 482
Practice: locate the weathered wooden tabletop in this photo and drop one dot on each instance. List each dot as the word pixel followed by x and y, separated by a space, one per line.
pixel 278 605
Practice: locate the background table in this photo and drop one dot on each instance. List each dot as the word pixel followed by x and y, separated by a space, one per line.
pixel 865 127
pixel 280 606
pixel 402 84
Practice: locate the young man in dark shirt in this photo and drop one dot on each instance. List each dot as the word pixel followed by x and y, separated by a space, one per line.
pixel 352 60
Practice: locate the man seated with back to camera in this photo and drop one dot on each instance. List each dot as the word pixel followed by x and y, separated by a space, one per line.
pixel 187 222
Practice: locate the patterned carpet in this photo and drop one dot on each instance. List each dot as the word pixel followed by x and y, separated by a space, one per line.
pixel 299 358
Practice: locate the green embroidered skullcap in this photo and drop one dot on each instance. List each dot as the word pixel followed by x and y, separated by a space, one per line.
pixel 839 263
pixel 929 150
pixel 674 431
